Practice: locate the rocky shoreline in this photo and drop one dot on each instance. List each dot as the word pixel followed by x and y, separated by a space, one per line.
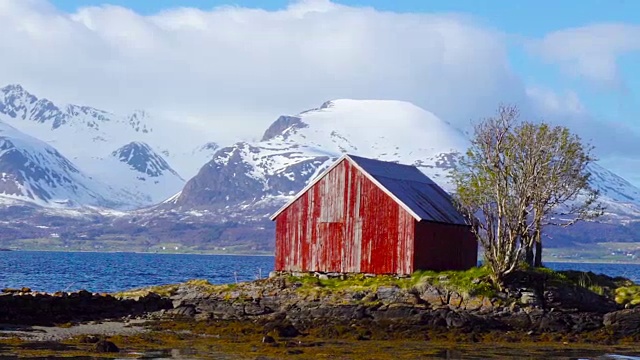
pixel 27 308
pixel 534 308
pixel 287 305
pixel 304 303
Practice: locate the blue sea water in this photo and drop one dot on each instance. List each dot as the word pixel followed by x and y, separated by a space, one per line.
pixel 110 272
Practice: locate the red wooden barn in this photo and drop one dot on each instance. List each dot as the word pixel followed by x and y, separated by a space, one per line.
pixel 369 216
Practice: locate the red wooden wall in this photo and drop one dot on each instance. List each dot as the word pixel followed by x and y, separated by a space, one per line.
pixel 345 223
pixel 444 247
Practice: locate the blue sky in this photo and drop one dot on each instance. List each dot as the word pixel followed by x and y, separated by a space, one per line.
pixel 528 18
pixel 571 62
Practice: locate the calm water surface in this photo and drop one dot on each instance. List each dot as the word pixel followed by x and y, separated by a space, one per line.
pixel 108 272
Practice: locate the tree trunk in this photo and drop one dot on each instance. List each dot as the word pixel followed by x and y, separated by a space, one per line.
pixel 538 262
pixel 537 239
pixel 528 255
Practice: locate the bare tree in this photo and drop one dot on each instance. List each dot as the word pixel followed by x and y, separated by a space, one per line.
pixel 554 177
pixel 484 187
pixel 514 178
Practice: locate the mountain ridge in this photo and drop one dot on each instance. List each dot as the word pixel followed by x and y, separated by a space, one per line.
pixel 227 202
pixel 88 137
pixel 295 148
pixel 33 171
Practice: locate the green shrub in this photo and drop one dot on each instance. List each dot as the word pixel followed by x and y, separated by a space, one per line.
pixel 628 295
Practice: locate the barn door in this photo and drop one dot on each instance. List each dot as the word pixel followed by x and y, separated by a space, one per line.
pixel 329 249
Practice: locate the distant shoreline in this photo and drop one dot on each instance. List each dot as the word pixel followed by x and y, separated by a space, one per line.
pixel 135 252
pixel 603 262
pixel 563 261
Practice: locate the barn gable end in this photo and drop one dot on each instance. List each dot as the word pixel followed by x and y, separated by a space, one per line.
pixel 363 215
pixel 311 231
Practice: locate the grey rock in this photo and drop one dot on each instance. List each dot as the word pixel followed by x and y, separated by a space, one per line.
pixel 624 322
pixel 529 298
pixel 105 346
pixel 280 125
pixel 183 310
pixel 388 293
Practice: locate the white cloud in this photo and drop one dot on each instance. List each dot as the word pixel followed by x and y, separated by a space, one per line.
pixel 231 71
pixel 558 104
pixel 591 52
pixel 616 143
pixel 208 64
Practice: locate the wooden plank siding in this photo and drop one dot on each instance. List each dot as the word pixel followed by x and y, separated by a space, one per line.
pixel 441 246
pixel 345 223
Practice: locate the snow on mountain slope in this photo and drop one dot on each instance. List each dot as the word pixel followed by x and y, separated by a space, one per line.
pixel 620 197
pixel 140 157
pixel 35 172
pixel 382 129
pixel 89 136
pixel 295 149
pixel 136 165
pixel 391 130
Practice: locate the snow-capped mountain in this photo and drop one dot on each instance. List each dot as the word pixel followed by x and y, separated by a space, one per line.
pixel 18 104
pixel 35 172
pixel 137 166
pixel 140 157
pixel 90 137
pixel 227 203
pixel 294 149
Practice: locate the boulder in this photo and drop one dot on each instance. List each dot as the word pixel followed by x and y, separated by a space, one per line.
pixel 268 339
pixel 105 346
pixel 183 311
pixel 283 329
pixel 624 322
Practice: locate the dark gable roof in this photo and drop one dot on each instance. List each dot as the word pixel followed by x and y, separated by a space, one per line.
pixel 407 185
pixel 412 188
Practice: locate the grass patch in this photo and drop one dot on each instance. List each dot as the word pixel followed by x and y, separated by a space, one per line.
pixel 474 281
pixel 162 290
pixel 611 287
pixel 352 282
pixel 202 285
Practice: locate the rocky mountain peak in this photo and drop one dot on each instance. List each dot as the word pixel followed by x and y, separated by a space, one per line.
pixel 327 104
pixel 227 178
pixel 88 136
pixel 210 146
pixel 208 150
pixel 295 149
pixel 35 172
pixel 14 89
pixel 138 120
pixel 281 125
pixel 16 102
pixel 142 158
